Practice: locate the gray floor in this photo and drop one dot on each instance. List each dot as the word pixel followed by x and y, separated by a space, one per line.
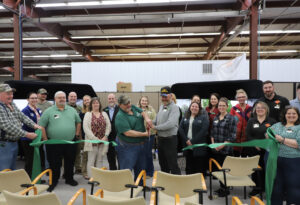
pixel 65 192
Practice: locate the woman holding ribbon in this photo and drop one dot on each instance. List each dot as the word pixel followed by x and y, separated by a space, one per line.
pixel 96 126
pixel 287 133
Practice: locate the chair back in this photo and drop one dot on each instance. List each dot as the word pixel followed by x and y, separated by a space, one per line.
pixel 179 184
pixel 241 166
pixel 42 199
pixel 11 180
pixel 112 180
pixel 93 200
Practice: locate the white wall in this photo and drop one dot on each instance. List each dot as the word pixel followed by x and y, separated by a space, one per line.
pixel 103 76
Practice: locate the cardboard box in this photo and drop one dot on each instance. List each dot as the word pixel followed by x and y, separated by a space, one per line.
pixel 124 87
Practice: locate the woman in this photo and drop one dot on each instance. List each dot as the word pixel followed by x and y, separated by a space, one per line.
pixel 144 104
pixel 34 114
pixel 85 108
pixel 242 113
pixel 196 98
pixel 96 126
pixel 256 129
pixel 212 108
pixel 223 130
pixel 286 185
pixel 193 130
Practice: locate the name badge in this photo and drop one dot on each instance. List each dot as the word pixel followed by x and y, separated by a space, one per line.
pixel 56 116
pixel 216 121
pixel 256 125
pixel 289 131
pixel 277 106
pixel 31 114
pixel 238 111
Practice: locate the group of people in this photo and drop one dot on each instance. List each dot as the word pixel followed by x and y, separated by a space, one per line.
pixel 135 127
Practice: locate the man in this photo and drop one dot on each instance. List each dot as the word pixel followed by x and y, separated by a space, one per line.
pixel 166 124
pixel 43 104
pixel 11 121
pixel 131 136
pixel 112 110
pixel 72 100
pixel 275 102
pixel 61 122
pixel 296 101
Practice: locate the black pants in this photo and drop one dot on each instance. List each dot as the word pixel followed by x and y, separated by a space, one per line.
pixel 111 157
pixel 55 154
pixel 167 154
pixel 219 157
pixel 195 164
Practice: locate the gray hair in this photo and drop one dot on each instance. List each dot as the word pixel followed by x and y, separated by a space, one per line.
pixel 59 92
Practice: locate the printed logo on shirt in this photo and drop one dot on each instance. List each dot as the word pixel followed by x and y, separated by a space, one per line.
pixel 56 116
pixel 256 125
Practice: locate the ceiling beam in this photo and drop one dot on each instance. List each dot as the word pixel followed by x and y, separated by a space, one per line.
pixel 58 31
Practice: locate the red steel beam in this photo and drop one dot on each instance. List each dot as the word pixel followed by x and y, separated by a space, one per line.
pixel 253 41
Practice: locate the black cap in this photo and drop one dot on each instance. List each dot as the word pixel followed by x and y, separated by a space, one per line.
pixel 164 91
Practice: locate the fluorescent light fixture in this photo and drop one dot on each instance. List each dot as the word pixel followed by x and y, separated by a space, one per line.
pixel 2 8
pixel 286 51
pixel 268 32
pixel 47 66
pixel 44 66
pixel 51 5
pixel 5 57
pixel 58 55
pixel 60 66
pixel 150 54
pixel 6 75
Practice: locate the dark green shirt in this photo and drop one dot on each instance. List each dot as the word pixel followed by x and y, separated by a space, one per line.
pixel 125 122
pixel 60 124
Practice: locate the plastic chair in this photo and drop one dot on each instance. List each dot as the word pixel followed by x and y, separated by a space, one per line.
pixel 93 200
pixel 18 180
pixel 117 184
pixel 169 188
pixel 234 172
pixel 256 199
pixel 42 199
pixel 236 201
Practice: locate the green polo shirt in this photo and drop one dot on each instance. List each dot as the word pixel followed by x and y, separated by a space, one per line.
pixel 60 124
pixel 125 122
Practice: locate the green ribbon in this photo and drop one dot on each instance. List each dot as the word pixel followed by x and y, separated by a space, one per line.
pixel 271 145
pixel 37 142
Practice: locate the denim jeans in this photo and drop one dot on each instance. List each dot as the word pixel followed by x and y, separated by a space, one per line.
pixel 8 155
pixel 149 156
pixel 131 156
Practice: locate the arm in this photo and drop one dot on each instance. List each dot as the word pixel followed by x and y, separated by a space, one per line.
pixel 78 129
pixel 203 130
pixel 231 131
pixel 133 133
pixel 147 119
pixel 108 125
pixel 249 130
pixel 44 134
pixel 172 120
pixel 182 132
pixel 25 119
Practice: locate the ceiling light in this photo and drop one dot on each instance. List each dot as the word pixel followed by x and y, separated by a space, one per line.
pixel 2 8
pixel 51 5
pixel 286 51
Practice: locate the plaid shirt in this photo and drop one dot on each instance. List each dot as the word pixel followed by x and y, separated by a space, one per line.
pixel 224 130
pixel 11 122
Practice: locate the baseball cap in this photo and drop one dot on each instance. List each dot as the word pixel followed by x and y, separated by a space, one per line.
pixel 164 91
pixel 42 91
pixel 6 88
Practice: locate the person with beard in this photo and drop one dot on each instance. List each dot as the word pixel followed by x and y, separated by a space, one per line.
pixel 166 125
pixel 43 103
pixel 112 110
pixel 61 122
pixel 275 102
pixel 131 136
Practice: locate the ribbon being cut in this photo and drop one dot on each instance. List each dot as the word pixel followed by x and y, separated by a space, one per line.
pixel 271 145
pixel 37 142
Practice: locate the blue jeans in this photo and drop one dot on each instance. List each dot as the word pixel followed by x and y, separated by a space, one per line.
pixel 131 156
pixel 8 155
pixel 149 156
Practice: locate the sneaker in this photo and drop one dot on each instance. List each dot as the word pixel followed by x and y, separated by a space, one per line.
pixel 223 193
pixel 51 187
pixel 72 182
pixel 254 192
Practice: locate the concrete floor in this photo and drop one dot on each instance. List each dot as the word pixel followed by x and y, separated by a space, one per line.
pixel 65 192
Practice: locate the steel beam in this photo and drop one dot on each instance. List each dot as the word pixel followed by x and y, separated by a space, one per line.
pixel 253 41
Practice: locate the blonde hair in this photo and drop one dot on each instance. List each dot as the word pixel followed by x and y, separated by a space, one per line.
pixel 84 107
pixel 241 91
pixel 266 107
pixel 174 98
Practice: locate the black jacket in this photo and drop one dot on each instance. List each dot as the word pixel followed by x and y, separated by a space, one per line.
pixel 199 132
pixel 113 133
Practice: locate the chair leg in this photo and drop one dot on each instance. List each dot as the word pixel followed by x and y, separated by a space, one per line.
pixel 226 188
pixel 226 196
pixel 245 192
pixel 210 187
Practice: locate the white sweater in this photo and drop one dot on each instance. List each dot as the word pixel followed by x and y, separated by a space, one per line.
pixel 89 135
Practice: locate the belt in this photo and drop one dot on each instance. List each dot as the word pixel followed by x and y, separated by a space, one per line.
pixel 131 143
pixel 7 140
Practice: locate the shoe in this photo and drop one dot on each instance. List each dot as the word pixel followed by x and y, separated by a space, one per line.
pixel 223 193
pixel 72 182
pixel 86 177
pixel 254 192
pixel 77 171
pixel 217 191
pixel 51 187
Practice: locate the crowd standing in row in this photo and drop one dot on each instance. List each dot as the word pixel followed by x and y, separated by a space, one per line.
pixel 134 128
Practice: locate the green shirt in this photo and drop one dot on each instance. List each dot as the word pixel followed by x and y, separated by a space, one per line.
pixel 60 124
pixel 44 106
pixel 125 122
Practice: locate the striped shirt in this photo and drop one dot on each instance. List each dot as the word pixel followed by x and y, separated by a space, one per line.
pixel 11 122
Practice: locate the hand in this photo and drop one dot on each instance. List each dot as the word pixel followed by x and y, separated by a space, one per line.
pixel 267 136
pixel 220 147
pixel 36 126
pixel 257 148
pixel 31 135
pixel 146 134
pixel 279 138
pixel 105 138
pixel 189 143
pixel 149 123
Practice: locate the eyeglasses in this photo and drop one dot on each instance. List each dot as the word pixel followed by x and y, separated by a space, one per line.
pixel 241 97
pixel 33 98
